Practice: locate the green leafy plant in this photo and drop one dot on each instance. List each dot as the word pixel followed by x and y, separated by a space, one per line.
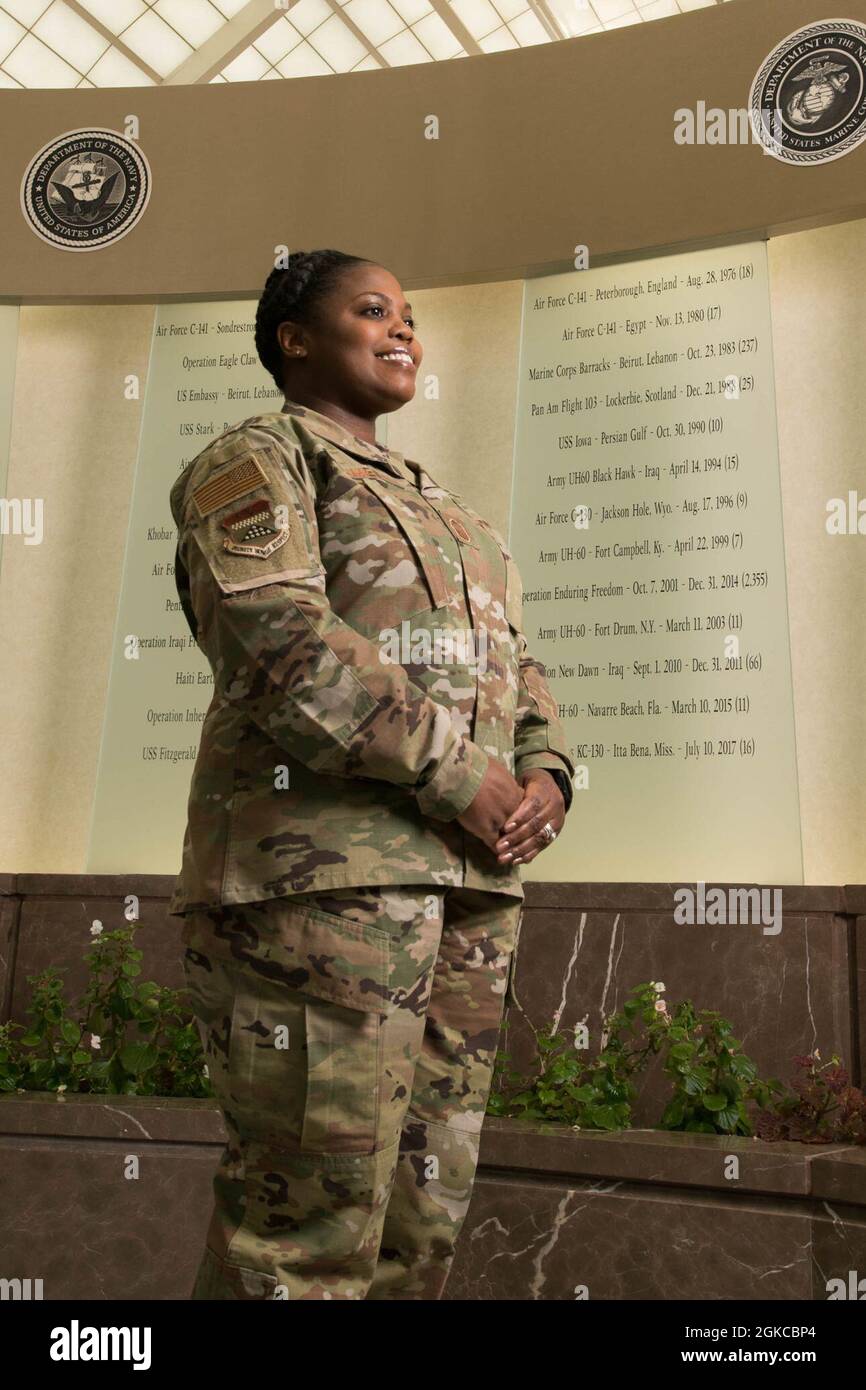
pixel 570 1089
pixel 122 1037
pixel 821 1106
pixel 712 1079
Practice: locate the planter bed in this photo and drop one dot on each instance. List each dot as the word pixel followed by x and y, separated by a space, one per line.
pixel 636 1214
pixel 641 1214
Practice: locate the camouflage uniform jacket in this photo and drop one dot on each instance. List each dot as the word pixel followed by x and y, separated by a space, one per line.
pixel 363 626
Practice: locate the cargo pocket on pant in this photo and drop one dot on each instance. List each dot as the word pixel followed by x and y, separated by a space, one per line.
pixel 343 970
pixel 344 1058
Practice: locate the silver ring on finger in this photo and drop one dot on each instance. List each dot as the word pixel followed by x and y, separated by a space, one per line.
pixel 547 833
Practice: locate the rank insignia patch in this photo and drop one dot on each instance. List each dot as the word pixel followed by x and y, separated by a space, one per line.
pixel 254 530
pixel 458 529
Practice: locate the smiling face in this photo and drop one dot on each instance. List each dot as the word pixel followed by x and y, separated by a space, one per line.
pixel 360 351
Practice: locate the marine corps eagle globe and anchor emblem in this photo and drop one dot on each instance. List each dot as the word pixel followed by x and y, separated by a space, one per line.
pixel 85 189
pixel 808 102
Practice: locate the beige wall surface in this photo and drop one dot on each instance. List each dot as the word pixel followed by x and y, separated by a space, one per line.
pixel 464 435
pixel 74 443
pixel 9 315
pixel 818 300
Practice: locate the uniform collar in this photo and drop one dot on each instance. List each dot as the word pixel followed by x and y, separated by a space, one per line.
pixel 327 428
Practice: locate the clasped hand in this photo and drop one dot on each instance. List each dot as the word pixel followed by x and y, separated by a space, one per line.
pixel 508 815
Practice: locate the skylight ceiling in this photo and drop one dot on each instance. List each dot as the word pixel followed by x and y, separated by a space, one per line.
pixel 143 43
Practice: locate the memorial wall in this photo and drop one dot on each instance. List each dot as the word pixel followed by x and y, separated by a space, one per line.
pixel 64 813
pixel 711 688
pixel 203 376
pixel 647 520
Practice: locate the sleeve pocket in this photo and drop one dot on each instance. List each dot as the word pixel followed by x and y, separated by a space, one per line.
pixel 262 535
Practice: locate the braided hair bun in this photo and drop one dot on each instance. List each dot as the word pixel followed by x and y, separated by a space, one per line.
pixel 296 292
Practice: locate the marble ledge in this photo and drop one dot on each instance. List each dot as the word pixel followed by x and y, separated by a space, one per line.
pixel 834 1172
pixel 583 896
pixel 159 1119
pixel 676 1159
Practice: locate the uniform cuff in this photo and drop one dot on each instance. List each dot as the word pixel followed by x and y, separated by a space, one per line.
pixel 549 763
pixel 456 782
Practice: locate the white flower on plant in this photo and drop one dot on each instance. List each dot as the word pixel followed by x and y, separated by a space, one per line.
pixel 659 987
pixel 96 928
pixel 661 1007
pixel 95 1041
pixel 62 1088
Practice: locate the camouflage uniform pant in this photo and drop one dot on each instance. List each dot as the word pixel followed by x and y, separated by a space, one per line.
pixel 350 1037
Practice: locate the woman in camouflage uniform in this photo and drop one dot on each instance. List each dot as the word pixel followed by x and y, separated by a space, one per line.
pixel 380 756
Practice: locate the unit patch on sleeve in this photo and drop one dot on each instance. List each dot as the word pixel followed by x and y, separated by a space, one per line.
pixel 254 530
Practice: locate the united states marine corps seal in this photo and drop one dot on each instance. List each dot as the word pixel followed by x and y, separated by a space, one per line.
pixel 808 101
pixel 85 189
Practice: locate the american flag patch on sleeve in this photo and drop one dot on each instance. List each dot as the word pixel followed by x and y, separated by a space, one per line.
pixel 243 478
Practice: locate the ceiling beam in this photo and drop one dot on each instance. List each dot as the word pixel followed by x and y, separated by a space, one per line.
pixel 453 21
pixel 359 34
pixel 547 19
pixel 113 39
pixel 225 45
